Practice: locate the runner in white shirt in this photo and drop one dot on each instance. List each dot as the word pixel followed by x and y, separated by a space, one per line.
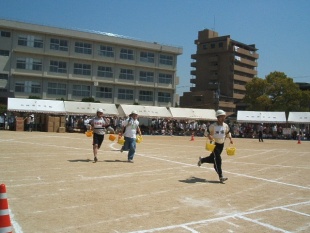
pixel 131 129
pixel 218 132
pixel 98 125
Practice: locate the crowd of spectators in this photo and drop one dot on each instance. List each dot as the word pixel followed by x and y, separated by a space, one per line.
pixel 172 127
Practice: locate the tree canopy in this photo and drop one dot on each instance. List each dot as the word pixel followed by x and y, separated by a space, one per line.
pixel 276 92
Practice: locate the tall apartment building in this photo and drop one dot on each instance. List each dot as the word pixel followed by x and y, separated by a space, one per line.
pixel 222 68
pixel 57 63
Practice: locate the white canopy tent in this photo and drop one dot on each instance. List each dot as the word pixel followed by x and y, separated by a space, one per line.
pixel 299 117
pixel 36 106
pixel 193 113
pixel 86 108
pixel 144 111
pixel 261 117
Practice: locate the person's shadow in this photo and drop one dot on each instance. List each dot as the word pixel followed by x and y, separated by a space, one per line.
pixel 116 161
pixel 193 179
pixel 79 160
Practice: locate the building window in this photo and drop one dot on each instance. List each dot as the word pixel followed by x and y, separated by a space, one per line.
pixel 3 81
pixel 82 69
pixel 29 64
pixel 147 57
pixel 4 76
pixel 30 41
pixel 164 97
pixel 166 59
pixel 81 47
pixel 165 78
pixel 104 92
pixel 125 94
pixel 221 45
pixel 57 44
pixel 126 74
pixel 105 72
pixel 56 88
pixel 27 87
pixel 5 34
pixel 205 46
pixel 81 90
pixel 127 54
pixel 58 66
pixel 145 95
pixel 212 46
pixel 4 53
pixel 146 76
pixel 106 51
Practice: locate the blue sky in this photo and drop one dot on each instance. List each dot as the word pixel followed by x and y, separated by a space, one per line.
pixel 279 28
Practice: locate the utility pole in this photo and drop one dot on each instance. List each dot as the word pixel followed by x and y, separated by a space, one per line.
pixel 217 94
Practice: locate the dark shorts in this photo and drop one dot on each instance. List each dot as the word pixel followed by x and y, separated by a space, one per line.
pixel 98 139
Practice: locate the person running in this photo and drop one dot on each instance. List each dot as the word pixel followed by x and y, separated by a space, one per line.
pixel 98 125
pixel 131 128
pixel 217 132
pixel 260 133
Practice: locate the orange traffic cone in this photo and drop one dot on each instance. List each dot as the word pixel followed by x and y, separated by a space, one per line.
pixel 5 222
pixel 192 138
pixel 299 139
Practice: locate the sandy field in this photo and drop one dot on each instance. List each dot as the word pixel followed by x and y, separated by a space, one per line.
pixel 54 186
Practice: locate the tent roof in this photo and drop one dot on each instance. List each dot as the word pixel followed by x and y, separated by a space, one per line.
pixel 299 117
pixel 261 117
pixel 86 108
pixel 193 113
pixel 144 111
pixel 36 106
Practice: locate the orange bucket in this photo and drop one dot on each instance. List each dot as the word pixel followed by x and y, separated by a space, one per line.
pixel 89 133
pixel 112 137
pixel 210 146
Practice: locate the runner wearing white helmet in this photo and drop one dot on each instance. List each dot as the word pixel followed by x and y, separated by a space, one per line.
pixel 217 132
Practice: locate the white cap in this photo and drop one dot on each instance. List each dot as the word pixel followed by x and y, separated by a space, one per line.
pixel 99 110
pixel 220 113
pixel 134 112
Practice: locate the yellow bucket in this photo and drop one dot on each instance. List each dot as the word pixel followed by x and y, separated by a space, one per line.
pixel 139 139
pixel 121 141
pixel 210 146
pixel 112 137
pixel 89 133
pixel 231 150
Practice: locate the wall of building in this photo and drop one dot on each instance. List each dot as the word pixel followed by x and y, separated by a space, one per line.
pixel 33 53
pixel 221 69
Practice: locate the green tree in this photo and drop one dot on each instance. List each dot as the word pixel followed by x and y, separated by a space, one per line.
pixel 283 92
pixel 305 101
pixel 34 97
pixel 88 99
pixel 276 92
pixel 256 95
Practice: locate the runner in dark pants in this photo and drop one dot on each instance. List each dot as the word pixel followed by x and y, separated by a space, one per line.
pixel 217 132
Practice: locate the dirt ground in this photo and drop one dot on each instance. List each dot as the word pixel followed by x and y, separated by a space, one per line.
pixel 54 186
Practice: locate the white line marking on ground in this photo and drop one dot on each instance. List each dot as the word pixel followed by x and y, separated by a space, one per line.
pixel 239 215
pixel 190 229
pixel 263 224
pixel 296 212
pixel 15 225
pixel 237 174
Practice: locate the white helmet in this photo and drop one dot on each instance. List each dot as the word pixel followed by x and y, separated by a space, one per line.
pixel 134 112
pixel 100 110
pixel 220 113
